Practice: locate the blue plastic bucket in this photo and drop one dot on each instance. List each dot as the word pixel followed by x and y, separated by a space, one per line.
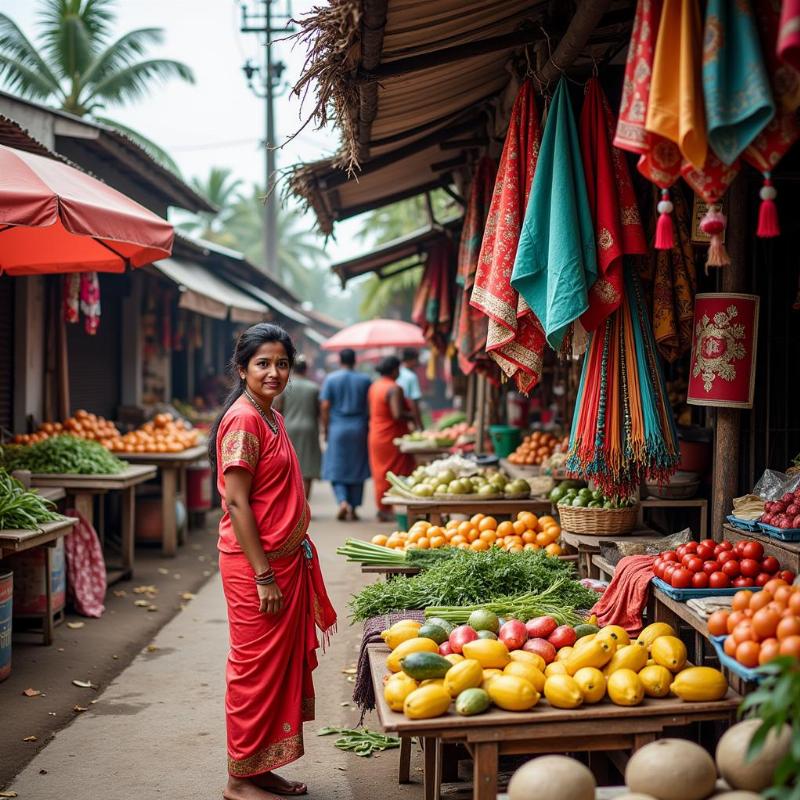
pixel 6 603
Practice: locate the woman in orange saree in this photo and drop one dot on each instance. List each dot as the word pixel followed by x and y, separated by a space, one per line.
pixel 270 573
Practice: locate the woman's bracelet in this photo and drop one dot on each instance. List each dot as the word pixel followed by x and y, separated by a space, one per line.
pixel 266 580
pixel 265 574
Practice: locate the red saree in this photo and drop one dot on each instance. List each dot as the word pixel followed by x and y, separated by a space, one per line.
pixel 269 688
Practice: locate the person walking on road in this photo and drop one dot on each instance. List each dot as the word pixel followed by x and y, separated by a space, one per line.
pixel 409 383
pixel 300 408
pixel 270 573
pixel 345 419
pixel 388 420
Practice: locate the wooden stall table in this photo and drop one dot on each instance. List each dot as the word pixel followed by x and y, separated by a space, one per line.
pixel 173 484
pixel 696 502
pixel 615 730
pixel 588 546
pixel 433 509
pixel 423 455
pixel 82 490
pixel 16 541
pixel 788 553
pixel 53 494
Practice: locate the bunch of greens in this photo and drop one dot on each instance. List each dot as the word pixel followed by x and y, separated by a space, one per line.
pixel 21 509
pixel 469 578
pixel 362 742
pixel 777 702
pixel 66 455
pixel 377 555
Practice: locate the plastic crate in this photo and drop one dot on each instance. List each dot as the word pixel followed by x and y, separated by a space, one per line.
pixel 681 595
pixel 784 534
pixel 743 524
pixel 745 673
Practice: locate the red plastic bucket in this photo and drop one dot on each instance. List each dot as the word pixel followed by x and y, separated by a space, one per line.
pixel 6 605
pixel 198 488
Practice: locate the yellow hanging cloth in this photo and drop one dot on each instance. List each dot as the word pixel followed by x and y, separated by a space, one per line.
pixel 675 110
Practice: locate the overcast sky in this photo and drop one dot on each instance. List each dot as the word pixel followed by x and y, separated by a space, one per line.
pixel 217 121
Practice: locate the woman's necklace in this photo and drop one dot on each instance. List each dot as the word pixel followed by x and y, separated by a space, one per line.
pixel 273 426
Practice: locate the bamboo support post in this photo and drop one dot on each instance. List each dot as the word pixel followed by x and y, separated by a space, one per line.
pixel 480 413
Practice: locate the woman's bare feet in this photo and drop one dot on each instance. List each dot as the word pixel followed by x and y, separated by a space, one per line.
pixel 344 510
pixel 275 783
pixel 246 789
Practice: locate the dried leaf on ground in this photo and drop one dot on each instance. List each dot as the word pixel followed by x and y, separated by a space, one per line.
pixel 187 596
pixel 31 739
pixel 151 648
pixel 163 571
pixel 83 684
pixel 145 590
pixel 141 603
pixel 78 709
pixel 31 692
pixel 349 671
pixel 120 593
pixel 8 794
pixel 152 608
pixel 75 625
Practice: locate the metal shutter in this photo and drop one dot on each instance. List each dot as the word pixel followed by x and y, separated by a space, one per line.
pixel 6 351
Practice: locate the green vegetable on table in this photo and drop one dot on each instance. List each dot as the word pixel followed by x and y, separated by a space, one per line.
pixel 469 579
pixel 66 455
pixel 357 550
pixel 21 508
pixel 361 742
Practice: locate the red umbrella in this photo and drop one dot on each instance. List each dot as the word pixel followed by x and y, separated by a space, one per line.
pixel 54 218
pixel 376 333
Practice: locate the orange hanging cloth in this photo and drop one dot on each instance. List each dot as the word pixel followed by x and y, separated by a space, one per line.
pixel 515 339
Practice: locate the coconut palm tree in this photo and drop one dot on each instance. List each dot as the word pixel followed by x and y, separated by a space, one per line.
pixel 76 65
pixel 221 189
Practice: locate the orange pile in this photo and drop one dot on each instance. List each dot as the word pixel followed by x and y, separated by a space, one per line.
pixel 762 625
pixel 536 447
pixel 163 434
pixel 527 532
pixel 82 424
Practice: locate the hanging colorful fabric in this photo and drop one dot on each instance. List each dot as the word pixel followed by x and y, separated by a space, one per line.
pixel 660 158
pixel 612 203
pixel 556 261
pixel 471 325
pixel 723 365
pixel 736 89
pixel 71 288
pixel 788 47
pixel 90 302
pixel 783 130
pixel 515 342
pixel 433 300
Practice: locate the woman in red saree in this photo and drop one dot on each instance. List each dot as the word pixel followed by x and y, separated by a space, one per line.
pixel 270 573
pixel 388 420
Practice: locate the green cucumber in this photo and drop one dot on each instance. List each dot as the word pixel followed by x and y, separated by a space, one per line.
pixel 585 629
pixel 471 702
pixel 422 666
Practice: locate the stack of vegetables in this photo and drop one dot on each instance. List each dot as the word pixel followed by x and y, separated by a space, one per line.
pixel 163 434
pixel 21 508
pixel 623 432
pixel 449 477
pixel 537 447
pixel 511 665
pixel 82 424
pixel 62 455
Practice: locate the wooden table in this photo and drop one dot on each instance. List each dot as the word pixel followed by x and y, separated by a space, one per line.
pixel 15 541
pixel 589 546
pixel 424 455
pixel 696 502
pixel 83 488
pixel 788 553
pixel 173 483
pixel 602 727
pixel 53 494
pixel 433 509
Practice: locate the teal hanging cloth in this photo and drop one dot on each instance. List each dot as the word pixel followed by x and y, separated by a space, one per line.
pixel 556 261
pixel 736 88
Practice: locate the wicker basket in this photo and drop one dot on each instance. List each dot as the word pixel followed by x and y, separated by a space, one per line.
pixel 598 521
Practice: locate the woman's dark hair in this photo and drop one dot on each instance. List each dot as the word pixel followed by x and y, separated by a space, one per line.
pixel 388 365
pixel 246 347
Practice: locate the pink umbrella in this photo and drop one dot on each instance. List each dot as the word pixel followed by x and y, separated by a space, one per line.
pixel 376 333
pixel 54 218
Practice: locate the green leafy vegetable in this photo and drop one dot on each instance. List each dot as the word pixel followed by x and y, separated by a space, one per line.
pixel 361 742
pixel 21 508
pixel 66 455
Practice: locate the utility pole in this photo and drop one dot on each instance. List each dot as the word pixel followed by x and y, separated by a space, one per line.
pixel 268 87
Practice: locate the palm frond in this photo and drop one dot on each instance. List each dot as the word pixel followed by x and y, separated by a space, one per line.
pixel 135 81
pixel 382 296
pixel 121 53
pixel 155 152
pixel 23 68
pixel 66 41
pixel 96 17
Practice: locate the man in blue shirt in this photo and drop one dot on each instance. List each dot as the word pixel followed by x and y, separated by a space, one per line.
pixel 409 383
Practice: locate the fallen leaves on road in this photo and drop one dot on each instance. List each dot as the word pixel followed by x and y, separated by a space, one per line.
pixel 78 709
pixel 349 671
pixel 75 625
pixel 152 608
pixel 151 648
pixel 120 593
pixel 149 589
pixel 83 684
pixel 187 596
pixel 142 603
pixel 8 794
pixel 163 571
pixel 31 692
pixel 31 739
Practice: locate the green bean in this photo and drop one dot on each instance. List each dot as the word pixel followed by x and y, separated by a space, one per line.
pixel 66 454
pixel 21 508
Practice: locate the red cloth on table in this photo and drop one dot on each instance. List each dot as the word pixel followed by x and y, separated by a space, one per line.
pixel 269 688
pixel 624 600
pixel 86 567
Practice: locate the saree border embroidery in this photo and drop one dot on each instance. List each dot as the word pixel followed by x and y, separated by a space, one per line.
pixel 294 540
pixel 240 446
pixel 271 757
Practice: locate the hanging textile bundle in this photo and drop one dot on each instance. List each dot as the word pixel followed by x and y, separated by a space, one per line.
pixel 665 237
pixel 768 226
pixel 90 302
pixel 713 225
pixel 71 297
pixel 432 301
pixel 623 431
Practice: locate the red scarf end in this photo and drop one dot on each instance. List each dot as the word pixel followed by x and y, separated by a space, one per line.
pixel 768 225
pixel 665 236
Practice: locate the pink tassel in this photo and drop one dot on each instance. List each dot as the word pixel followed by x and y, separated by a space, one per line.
pixel 768 226
pixel 665 238
pixel 713 225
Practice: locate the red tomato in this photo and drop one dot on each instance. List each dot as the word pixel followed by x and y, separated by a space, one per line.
pixel 710 567
pixel 731 568
pixel 699 580
pixel 669 555
pixel 709 543
pixel 719 580
pixel 694 564
pixel 681 578
pixel 726 545
pixel 770 564
pixel 668 570
pixel 680 551
pixel 691 547
pixel 658 561
pixel 754 550
pixel 687 557
pixel 717 550
pixel 725 556
pixel 705 552
pixel 749 567
pixel 738 548
pixel 743 582
pixel 762 578
pixel 787 575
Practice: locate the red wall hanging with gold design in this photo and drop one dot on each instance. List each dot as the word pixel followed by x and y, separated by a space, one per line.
pixel 723 366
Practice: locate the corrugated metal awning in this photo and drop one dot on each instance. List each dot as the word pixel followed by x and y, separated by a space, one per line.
pixel 206 293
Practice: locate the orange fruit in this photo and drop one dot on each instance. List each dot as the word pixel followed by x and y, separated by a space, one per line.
pixel 488 536
pixel 788 626
pixel 380 539
pixel 423 543
pixel 530 546
pixel 517 548
pixel 434 530
pixel 519 527
pixel 554 531
pixel 463 528
pixel 744 632
pixel 505 528
pixel 546 520
pixel 747 653
pixel 463 546
pixel 770 648
pixel 772 585
pixel 449 534
pixel 477 519
pixel 783 594
pixel 765 622
pixel 553 549
pixel 472 534
pixel 530 520
pixel 734 619
pixel 415 535
pixel 458 540
pixel 730 646
pixel 794 603
pixel 451 523
pixel 437 542
pixel 718 623
pixel 529 537
pixel 487 524
pixel 542 539
pixel 741 600
pixel 760 599
pixel 790 646
pixel 479 545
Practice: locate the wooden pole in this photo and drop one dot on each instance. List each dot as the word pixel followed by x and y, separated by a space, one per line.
pixel 728 420
pixel 480 413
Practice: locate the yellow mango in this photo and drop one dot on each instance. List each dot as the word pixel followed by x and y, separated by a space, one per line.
pixel 512 693
pixel 669 652
pixel 653 631
pixel 527 671
pixel 630 656
pixel 656 680
pixel 531 658
pixel 595 654
pixel 489 653
pixel 466 674
pixel 625 688
pixel 592 684
pixel 397 688
pixel 400 632
pixel 700 684
pixel 615 633
pixel 563 691
pixel 426 702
